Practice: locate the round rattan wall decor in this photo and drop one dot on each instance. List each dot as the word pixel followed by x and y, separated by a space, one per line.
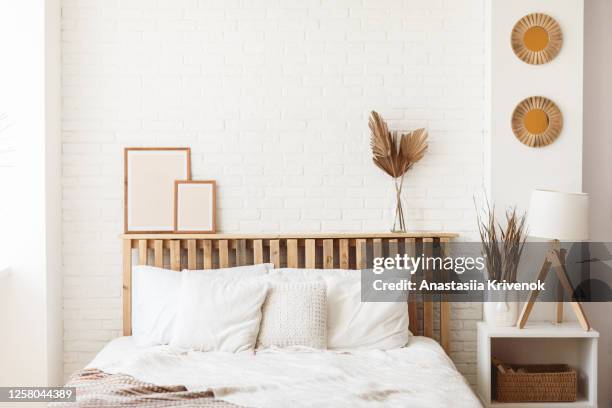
pixel 537 121
pixel 537 38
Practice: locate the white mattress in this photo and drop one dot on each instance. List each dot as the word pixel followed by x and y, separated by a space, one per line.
pixel 419 375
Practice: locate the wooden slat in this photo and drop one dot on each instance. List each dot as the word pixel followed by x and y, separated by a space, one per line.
pixel 142 252
pixel 275 252
pixel 207 254
pixel 343 252
pixel 158 252
pixel 360 254
pixel 241 252
pixel 393 248
pixel 292 253
pixel 310 253
pixel 175 255
pixel 328 254
pixel 410 250
pixel 428 306
pixel 223 253
pixel 192 254
pixel 377 249
pixel 445 306
pixel 127 287
pixel 258 251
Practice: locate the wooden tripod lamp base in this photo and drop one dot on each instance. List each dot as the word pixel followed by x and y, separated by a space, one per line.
pixel 555 258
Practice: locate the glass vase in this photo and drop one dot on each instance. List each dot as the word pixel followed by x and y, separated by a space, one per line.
pixel 399 219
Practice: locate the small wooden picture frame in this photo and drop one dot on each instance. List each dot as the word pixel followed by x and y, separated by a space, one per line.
pixel 195 207
pixel 149 175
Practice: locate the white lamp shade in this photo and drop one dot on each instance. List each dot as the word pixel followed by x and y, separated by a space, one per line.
pixel 558 215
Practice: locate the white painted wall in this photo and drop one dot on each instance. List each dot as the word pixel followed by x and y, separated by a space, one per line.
pixel 597 166
pixel 30 298
pixel 515 169
pixel 273 98
pixel 53 191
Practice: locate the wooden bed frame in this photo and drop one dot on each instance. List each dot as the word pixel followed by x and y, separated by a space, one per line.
pixel 327 251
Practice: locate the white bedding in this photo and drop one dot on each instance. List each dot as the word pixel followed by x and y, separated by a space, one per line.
pixel 419 375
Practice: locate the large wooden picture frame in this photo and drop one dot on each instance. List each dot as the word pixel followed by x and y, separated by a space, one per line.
pixel 149 175
pixel 195 207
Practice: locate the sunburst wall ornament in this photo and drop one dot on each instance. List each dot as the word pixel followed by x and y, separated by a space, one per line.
pixel 537 38
pixel 537 121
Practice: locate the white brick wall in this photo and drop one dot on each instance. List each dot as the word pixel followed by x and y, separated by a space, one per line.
pixel 273 98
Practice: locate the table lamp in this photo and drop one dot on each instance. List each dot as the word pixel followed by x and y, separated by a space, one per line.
pixel 557 216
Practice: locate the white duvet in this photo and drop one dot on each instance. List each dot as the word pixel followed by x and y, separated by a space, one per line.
pixel 419 375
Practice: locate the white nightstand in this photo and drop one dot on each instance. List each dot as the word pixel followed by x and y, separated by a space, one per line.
pixel 540 343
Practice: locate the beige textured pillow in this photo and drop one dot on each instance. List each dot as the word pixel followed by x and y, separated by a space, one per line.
pixel 294 314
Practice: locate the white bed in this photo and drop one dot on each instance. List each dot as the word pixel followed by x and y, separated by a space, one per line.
pixel 169 307
pixel 419 375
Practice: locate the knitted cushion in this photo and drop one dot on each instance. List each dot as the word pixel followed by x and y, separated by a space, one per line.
pixel 294 314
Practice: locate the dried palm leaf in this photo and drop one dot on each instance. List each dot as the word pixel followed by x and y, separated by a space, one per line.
pixel 382 144
pixel 381 137
pixel 412 148
pixel 394 154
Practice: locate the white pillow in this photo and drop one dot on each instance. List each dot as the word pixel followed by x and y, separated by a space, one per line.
pixel 364 325
pixel 155 299
pixel 294 314
pixel 351 323
pixel 218 314
pixel 155 295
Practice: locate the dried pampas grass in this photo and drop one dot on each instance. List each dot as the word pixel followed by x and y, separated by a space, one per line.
pixel 502 250
pixel 395 154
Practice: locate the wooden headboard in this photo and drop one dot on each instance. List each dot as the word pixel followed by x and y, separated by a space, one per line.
pixel 327 251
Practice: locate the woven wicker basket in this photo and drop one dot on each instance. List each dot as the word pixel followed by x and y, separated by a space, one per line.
pixel 538 383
